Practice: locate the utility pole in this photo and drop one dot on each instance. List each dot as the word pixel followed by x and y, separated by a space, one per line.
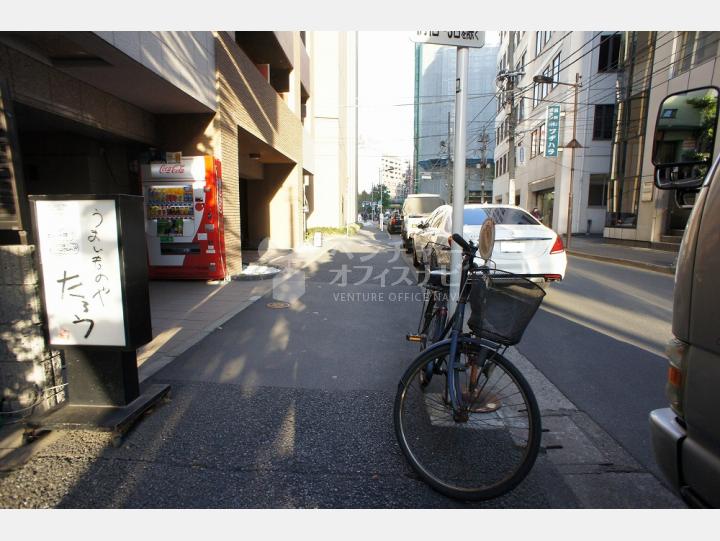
pixel 510 89
pixel 458 189
pixel 449 173
pixel 483 162
pixel 573 145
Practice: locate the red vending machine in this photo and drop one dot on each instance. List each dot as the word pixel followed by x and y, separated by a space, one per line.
pixel 184 220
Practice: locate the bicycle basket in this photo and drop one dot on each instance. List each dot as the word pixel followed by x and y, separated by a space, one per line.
pixel 502 305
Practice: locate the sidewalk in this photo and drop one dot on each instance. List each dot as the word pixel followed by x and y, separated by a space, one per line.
pixel 184 312
pixel 600 249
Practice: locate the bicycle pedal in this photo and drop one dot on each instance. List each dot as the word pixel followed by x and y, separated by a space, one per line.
pixel 415 337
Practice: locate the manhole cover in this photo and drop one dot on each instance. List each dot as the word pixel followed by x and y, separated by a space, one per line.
pixel 278 305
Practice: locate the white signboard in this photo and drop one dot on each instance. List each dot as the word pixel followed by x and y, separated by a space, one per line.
pixel 188 169
pixel 456 38
pixel 78 245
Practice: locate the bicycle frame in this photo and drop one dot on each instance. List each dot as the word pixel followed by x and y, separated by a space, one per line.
pixel 454 327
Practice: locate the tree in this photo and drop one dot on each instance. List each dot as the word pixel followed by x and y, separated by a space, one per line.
pixel 385 195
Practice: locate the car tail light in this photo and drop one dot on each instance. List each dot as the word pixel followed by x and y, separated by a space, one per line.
pixel 676 351
pixel 558 246
pixel 552 277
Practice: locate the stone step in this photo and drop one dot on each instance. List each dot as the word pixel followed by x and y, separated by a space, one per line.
pixel 675 239
pixel 666 246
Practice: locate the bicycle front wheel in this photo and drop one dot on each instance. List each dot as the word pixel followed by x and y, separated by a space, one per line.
pixel 485 449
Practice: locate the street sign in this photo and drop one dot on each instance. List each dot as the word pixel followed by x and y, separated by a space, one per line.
pixel 552 131
pixel 454 38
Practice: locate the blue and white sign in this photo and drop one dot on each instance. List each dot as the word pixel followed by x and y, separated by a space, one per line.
pixel 552 131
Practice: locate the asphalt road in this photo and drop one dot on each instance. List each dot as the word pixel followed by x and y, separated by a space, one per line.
pixel 291 407
pixel 599 337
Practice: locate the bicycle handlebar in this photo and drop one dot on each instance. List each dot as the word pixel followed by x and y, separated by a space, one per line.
pixel 467 247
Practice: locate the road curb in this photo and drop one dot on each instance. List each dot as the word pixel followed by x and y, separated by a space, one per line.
pixel 627 262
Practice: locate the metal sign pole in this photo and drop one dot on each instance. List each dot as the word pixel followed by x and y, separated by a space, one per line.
pixel 458 191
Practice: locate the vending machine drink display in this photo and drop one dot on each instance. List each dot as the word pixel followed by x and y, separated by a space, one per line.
pixel 183 213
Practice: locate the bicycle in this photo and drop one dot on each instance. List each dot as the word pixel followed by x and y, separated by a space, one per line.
pixel 465 418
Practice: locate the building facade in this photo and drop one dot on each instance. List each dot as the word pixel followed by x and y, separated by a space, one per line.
pixel 543 179
pixel 393 171
pixel 81 112
pixel 653 66
pixel 331 193
pixel 434 119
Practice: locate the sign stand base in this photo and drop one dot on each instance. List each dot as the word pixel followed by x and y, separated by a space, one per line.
pixel 103 394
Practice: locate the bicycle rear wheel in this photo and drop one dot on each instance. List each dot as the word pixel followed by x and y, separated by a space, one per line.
pixel 489 452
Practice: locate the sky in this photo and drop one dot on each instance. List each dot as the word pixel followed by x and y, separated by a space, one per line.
pixel 386 77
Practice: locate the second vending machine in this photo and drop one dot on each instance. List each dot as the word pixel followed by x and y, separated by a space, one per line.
pixel 184 221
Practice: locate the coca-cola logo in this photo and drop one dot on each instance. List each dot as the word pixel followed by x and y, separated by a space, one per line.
pixel 172 169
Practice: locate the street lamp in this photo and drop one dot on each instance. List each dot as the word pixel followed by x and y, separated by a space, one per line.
pixel 572 145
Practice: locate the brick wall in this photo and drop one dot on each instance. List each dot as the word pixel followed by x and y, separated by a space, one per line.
pixel 246 101
pixel 27 366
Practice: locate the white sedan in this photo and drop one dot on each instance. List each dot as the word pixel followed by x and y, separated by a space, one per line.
pixel 523 245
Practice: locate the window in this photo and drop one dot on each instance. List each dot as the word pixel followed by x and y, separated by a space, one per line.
pixel 695 48
pixel 603 122
pixel 537 141
pixel 668 113
pixel 555 73
pixel 538 42
pixel 505 216
pixel 521 109
pixel 540 90
pixel 597 194
pixel 533 143
pixel 609 53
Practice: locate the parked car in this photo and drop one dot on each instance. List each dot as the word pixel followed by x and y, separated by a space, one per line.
pixel 416 208
pixel 523 245
pixel 686 436
pixel 395 222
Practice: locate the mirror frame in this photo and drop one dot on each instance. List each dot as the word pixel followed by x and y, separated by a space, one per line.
pixel 690 183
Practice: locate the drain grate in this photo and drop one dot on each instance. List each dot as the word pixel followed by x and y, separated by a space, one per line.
pixel 277 305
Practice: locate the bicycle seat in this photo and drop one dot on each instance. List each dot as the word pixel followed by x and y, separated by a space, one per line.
pixel 438 279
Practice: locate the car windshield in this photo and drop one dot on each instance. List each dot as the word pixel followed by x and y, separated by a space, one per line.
pixel 421 205
pixel 501 215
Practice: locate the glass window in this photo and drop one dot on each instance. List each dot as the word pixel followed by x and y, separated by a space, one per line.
pixel 609 53
pixel 414 206
pixel 695 48
pixel 533 143
pixel 603 121
pixel 538 42
pixel 707 46
pixel 556 70
pixel 597 194
pixel 504 216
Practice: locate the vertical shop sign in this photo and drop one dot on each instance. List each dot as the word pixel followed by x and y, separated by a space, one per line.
pixel 553 131
pixel 79 253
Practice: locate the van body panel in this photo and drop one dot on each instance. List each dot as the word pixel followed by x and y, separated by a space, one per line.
pixel 705 307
